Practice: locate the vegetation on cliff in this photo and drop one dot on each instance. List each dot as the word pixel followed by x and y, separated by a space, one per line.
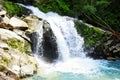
pixel 92 35
pixel 12 8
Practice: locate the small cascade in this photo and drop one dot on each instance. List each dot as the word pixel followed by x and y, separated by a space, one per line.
pixel 69 43
pixel 37 37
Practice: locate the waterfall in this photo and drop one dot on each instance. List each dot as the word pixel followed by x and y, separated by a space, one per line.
pixel 69 43
pixel 72 64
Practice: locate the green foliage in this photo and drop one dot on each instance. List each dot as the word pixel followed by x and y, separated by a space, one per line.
pixel 12 8
pixel 4 60
pixel 58 6
pixel 89 8
pixel 92 35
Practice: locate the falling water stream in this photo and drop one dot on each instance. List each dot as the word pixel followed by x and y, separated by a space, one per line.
pixel 73 65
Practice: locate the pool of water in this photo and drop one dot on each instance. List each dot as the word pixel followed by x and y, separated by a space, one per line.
pixel 88 69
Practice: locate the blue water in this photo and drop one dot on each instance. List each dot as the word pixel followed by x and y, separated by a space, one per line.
pixel 110 70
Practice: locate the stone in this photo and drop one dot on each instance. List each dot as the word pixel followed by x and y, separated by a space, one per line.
pixel 3 12
pixel 18 23
pixel 7 34
pixel 33 22
pixel 23 65
pixel 4 46
pixel 3 17
pixel 8 73
pixel 6 26
pixel 22 34
pixel 27 70
pixel 111 58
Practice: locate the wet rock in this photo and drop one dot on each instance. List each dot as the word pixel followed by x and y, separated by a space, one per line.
pixel 111 58
pixel 50 46
pixel 109 48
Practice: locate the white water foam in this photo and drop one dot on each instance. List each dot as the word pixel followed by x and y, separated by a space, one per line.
pixel 70 46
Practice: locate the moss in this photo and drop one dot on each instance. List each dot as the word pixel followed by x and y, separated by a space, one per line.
pixel 1 68
pixel 16 44
pixel 92 35
pixel 27 47
pixel 21 46
pixel 4 60
pixel 12 8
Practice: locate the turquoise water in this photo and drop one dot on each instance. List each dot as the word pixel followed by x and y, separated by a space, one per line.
pixel 106 70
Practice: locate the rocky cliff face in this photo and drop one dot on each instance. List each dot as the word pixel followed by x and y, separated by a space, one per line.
pixel 99 44
pixel 16 58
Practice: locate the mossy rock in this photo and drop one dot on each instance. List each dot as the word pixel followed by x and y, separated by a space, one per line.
pixel 1 68
pixel 20 45
pixel 92 35
pixel 4 60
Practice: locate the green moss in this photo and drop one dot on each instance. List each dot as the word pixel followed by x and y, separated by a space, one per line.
pixel 92 35
pixel 1 68
pixel 27 47
pixel 12 8
pixel 21 46
pixel 16 44
pixel 4 60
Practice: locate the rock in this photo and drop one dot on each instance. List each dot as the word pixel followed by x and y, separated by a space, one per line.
pixel 22 34
pixel 4 46
pixel 17 23
pixel 23 65
pixel 7 34
pixel 33 23
pixel 109 48
pixel 6 26
pixel 27 70
pixel 111 58
pixel 3 17
pixel 8 74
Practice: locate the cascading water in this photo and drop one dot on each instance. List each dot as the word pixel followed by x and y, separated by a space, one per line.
pixel 73 65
